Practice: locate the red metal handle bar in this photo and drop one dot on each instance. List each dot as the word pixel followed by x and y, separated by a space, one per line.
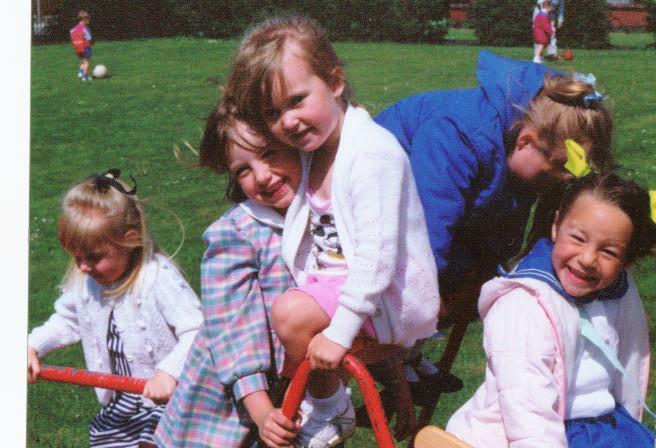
pixel 367 388
pixel 87 378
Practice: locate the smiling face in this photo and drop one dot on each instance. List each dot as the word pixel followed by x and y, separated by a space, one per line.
pixel 267 176
pixel 305 112
pixel 106 263
pixel 590 245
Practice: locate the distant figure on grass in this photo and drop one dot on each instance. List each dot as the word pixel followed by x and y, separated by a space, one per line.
pixel 127 303
pixel 230 390
pixel 355 237
pixel 481 157
pixel 82 40
pixel 565 333
pixel 542 30
pixel 556 17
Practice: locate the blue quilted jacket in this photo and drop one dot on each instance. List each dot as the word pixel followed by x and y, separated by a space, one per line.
pixel 457 142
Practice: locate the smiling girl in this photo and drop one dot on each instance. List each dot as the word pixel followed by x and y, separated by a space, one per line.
pixel 559 327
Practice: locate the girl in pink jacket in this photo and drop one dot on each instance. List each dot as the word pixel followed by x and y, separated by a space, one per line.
pixel 565 333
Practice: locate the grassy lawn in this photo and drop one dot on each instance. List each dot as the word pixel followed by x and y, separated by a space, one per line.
pixel 157 97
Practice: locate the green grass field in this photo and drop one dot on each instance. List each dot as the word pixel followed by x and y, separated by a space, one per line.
pixel 157 97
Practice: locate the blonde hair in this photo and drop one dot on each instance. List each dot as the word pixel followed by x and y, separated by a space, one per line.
pixel 94 214
pixel 258 63
pixel 83 15
pixel 559 112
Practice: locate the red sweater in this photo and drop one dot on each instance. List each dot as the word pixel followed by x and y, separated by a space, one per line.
pixel 542 30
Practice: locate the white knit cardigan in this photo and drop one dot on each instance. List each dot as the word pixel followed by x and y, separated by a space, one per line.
pixel 392 276
pixel 157 321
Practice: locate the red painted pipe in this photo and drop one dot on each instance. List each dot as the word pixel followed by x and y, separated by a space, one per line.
pixel 367 388
pixel 87 378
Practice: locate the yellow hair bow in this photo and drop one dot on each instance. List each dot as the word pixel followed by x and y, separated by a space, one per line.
pixel 652 204
pixel 576 161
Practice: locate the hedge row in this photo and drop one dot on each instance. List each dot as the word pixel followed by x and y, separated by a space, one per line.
pixel 391 20
pixel 509 23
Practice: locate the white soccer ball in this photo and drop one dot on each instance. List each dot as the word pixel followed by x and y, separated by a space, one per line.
pixel 99 71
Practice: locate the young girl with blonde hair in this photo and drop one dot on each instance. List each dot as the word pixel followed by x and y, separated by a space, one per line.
pixel 127 303
pixel 363 264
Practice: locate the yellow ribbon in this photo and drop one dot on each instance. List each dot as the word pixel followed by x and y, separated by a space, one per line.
pixel 576 161
pixel 652 204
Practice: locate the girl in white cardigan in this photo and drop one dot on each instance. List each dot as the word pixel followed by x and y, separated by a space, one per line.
pixel 565 333
pixel 355 237
pixel 128 304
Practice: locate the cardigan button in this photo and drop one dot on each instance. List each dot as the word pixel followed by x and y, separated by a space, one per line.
pixel 378 312
pixel 142 324
pixel 129 358
pixel 149 348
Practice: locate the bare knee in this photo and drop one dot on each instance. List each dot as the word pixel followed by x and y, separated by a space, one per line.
pixel 295 314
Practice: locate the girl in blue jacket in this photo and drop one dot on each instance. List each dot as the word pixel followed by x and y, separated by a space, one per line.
pixel 481 156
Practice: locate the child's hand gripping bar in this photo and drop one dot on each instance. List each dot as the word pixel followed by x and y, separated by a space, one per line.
pixel 87 378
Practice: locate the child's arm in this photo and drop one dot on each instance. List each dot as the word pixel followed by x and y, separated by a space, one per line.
pixel 181 309
pixel 521 350
pixel 235 307
pixel 60 330
pixel 274 428
pixel 378 191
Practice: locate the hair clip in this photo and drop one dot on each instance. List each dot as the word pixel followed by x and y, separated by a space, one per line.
pixel 576 160
pixel 590 97
pixel 590 80
pixel 102 182
pixel 652 204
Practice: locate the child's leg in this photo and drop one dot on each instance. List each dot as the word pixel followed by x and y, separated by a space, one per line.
pixel 297 318
pixel 84 66
pixel 537 53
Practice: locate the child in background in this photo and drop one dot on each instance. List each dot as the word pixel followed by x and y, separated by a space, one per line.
pixel 230 377
pixel 126 301
pixel 81 40
pixel 542 30
pixel 548 381
pixel 364 263
pixel 480 157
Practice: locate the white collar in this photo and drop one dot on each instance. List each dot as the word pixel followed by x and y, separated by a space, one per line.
pixel 265 215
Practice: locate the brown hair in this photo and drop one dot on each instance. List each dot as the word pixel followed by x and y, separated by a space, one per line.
pixel 559 112
pixel 220 131
pixel 628 196
pixel 258 63
pixel 92 215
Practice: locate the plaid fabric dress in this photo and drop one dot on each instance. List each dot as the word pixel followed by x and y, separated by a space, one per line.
pixel 235 353
pixel 124 421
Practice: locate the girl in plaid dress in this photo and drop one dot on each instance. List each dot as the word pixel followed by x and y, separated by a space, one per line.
pixel 225 397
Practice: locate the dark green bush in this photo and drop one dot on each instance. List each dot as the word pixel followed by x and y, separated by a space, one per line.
pixel 369 20
pixel 503 23
pixel 650 6
pixel 586 25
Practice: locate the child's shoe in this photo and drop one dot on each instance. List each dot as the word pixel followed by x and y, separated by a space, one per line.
pixel 80 74
pixel 325 428
pixel 86 78
pixel 538 60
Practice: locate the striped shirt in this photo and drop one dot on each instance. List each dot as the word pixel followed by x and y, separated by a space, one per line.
pixel 124 422
pixel 236 352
